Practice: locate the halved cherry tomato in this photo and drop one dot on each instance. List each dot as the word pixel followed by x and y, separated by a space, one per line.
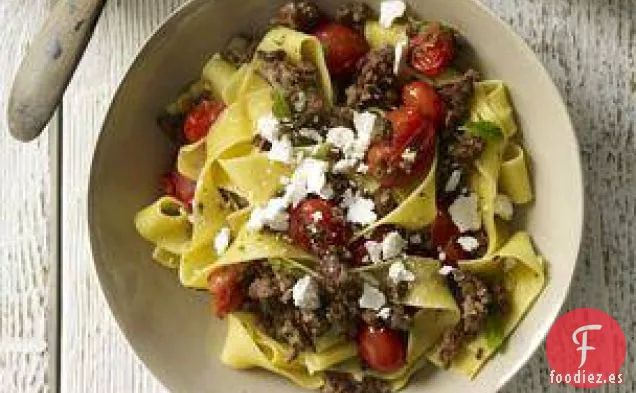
pixel 200 118
pixel 423 96
pixel 316 224
pixel 225 286
pixel 178 186
pixel 382 349
pixel 343 47
pixel 432 51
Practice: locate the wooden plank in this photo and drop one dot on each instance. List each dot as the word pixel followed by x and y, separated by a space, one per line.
pixel 588 47
pixel 26 266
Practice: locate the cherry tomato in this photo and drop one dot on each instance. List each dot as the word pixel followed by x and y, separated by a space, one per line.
pixel 178 186
pixel 432 51
pixel 225 286
pixel 343 48
pixel 380 159
pixel 316 224
pixel 423 96
pixel 200 118
pixel 444 234
pixel 382 349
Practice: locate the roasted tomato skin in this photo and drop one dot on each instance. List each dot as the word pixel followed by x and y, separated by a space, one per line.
pixel 382 349
pixel 199 120
pixel 432 51
pixel 225 286
pixel 343 48
pixel 421 95
pixel 178 186
pixel 317 225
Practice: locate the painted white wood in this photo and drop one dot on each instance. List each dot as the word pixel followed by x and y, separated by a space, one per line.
pixel 25 235
pixel 588 47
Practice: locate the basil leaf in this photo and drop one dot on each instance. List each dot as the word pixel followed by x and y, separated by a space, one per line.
pixel 280 107
pixel 494 331
pixel 485 129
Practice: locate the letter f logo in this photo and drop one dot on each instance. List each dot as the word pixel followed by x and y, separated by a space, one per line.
pixel 584 347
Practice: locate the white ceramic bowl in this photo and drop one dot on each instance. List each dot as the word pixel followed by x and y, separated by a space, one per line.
pixel 171 328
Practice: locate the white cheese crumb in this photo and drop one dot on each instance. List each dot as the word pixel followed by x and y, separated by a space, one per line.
pixel 268 127
pixel 341 137
pixel 399 53
pixel 453 181
pixel 374 249
pixel 316 216
pixel 503 207
pixel 364 123
pixel 399 273
pixel 465 213
pixel 392 245
pixel 344 165
pixel 363 168
pixel 415 238
pixel 309 177
pixel 384 313
pixel 390 10
pixel 281 150
pixel 360 211
pixel 305 294
pixel 222 240
pixel 372 298
pixel 409 155
pixel 311 134
pixel 273 215
pixel 441 256
pixel 468 243
pixel 446 270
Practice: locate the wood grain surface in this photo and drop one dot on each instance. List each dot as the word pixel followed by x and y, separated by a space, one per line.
pixel 588 47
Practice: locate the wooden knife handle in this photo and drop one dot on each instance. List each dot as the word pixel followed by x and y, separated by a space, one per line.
pixel 49 64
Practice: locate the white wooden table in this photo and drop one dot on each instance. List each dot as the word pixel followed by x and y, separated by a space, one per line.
pixel 65 339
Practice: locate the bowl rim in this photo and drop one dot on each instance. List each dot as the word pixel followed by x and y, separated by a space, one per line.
pixel 189 7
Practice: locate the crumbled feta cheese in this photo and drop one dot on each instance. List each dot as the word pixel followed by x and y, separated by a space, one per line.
pixel 281 150
pixel 468 243
pixel 409 155
pixel 316 216
pixel 360 211
pixel 364 123
pixel 384 313
pixel 341 137
pixel 305 294
pixel 311 134
pixel 503 207
pixel 268 127
pixel 446 270
pixel 441 256
pixel 363 168
pixel 374 249
pixel 372 298
pixel 273 215
pixel 464 212
pixel 398 273
pixel 347 199
pixel 309 177
pixel 222 240
pixel 453 181
pixel 392 245
pixel 415 238
pixel 390 10
pixel 344 165
pixel 399 52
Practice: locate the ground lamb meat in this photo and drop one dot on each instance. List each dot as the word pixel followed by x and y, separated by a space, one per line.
pixel 343 311
pixel 345 383
pixel 376 83
pixel 298 15
pixel 457 97
pixel 466 148
pixel 476 301
pixel 354 14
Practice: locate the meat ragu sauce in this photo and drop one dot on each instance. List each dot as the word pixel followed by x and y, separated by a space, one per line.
pixel 416 120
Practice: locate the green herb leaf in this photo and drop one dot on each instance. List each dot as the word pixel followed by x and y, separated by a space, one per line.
pixel 485 129
pixel 494 331
pixel 280 107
